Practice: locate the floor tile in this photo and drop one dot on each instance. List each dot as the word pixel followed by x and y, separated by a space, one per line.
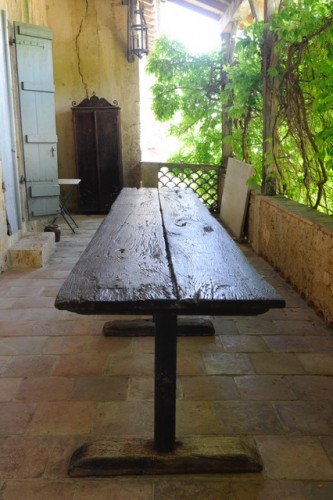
pixel 11 346
pixel 212 388
pixel 8 388
pixel 320 490
pixel 300 458
pixel 197 417
pixel 269 490
pixel 39 490
pixel 62 418
pixel 248 417
pixel 287 343
pixel 224 326
pixel 312 386
pixel 190 364
pixel 264 387
pixel 200 344
pixel 317 363
pixel 22 457
pixel 227 364
pixel 276 363
pixel 132 489
pixel 307 417
pixel 243 343
pixel 79 365
pixel 75 344
pixel 129 418
pixel 100 388
pixel 296 327
pixel 327 442
pixel 30 366
pixel 15 417
pixel 131 364
pixel 189 490
pixel 45 389
pixel 255 326
pixel 141 388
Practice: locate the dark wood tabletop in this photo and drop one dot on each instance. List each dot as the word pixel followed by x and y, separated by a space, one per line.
pixel 161 250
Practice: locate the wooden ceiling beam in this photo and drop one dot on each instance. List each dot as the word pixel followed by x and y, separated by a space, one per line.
pixel 228 15
pixel 256 10
pixel 210 8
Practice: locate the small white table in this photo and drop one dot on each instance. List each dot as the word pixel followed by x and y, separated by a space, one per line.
pixel 68 218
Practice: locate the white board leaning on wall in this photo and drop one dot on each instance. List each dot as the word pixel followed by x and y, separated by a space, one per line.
pixel 235 197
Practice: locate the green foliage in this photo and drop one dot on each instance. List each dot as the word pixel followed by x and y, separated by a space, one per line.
pixel 244 90
pixel 190 91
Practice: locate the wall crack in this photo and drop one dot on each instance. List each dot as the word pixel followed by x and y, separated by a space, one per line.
pixel 78 49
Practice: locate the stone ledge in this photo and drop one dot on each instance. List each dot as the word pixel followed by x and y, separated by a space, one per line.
pixel 297 241
pixel 32 250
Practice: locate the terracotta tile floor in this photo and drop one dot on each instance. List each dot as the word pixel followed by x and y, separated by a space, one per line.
pixel 63 383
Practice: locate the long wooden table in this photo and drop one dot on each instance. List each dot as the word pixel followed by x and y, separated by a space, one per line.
pixel 161 253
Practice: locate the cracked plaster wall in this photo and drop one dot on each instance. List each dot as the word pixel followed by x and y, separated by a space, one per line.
pixel 90 55
pixel 26 11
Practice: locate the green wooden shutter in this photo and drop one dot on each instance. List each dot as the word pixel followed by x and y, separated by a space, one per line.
pixel 36 93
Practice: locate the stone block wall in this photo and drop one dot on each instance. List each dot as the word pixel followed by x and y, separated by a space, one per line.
pixel 298 242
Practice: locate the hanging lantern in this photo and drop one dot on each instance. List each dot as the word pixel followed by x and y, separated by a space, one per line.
pixel 138 31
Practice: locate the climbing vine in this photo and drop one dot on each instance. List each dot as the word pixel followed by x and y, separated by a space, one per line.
pixel 190 92
pixel 305 120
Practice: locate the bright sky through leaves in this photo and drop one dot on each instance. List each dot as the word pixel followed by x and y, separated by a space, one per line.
pixel 198 33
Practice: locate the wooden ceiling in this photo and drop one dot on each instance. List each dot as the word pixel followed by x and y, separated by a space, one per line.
pixel 241 12
pixel 212 8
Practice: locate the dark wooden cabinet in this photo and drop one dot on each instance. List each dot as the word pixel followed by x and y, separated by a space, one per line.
pixel 98 156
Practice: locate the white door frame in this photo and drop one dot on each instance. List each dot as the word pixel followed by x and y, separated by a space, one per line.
pixel 8 152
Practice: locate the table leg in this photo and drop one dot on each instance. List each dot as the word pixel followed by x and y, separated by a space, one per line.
pixel 193 454
pixel 64 212
pixel 165 381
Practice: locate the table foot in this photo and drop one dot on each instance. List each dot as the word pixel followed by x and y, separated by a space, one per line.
pixel 192 455
pixel 187 327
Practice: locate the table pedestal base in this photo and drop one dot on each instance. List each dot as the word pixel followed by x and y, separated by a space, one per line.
pixel 202 455
pixel 186 327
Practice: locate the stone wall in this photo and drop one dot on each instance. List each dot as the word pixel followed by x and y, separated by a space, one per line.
pixel 297 241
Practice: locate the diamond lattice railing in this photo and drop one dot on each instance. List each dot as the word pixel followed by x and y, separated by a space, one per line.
pixel 203 179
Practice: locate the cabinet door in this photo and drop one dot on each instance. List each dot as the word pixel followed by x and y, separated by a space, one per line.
pixel 86 154
pixel 109 156
pixel 98 153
